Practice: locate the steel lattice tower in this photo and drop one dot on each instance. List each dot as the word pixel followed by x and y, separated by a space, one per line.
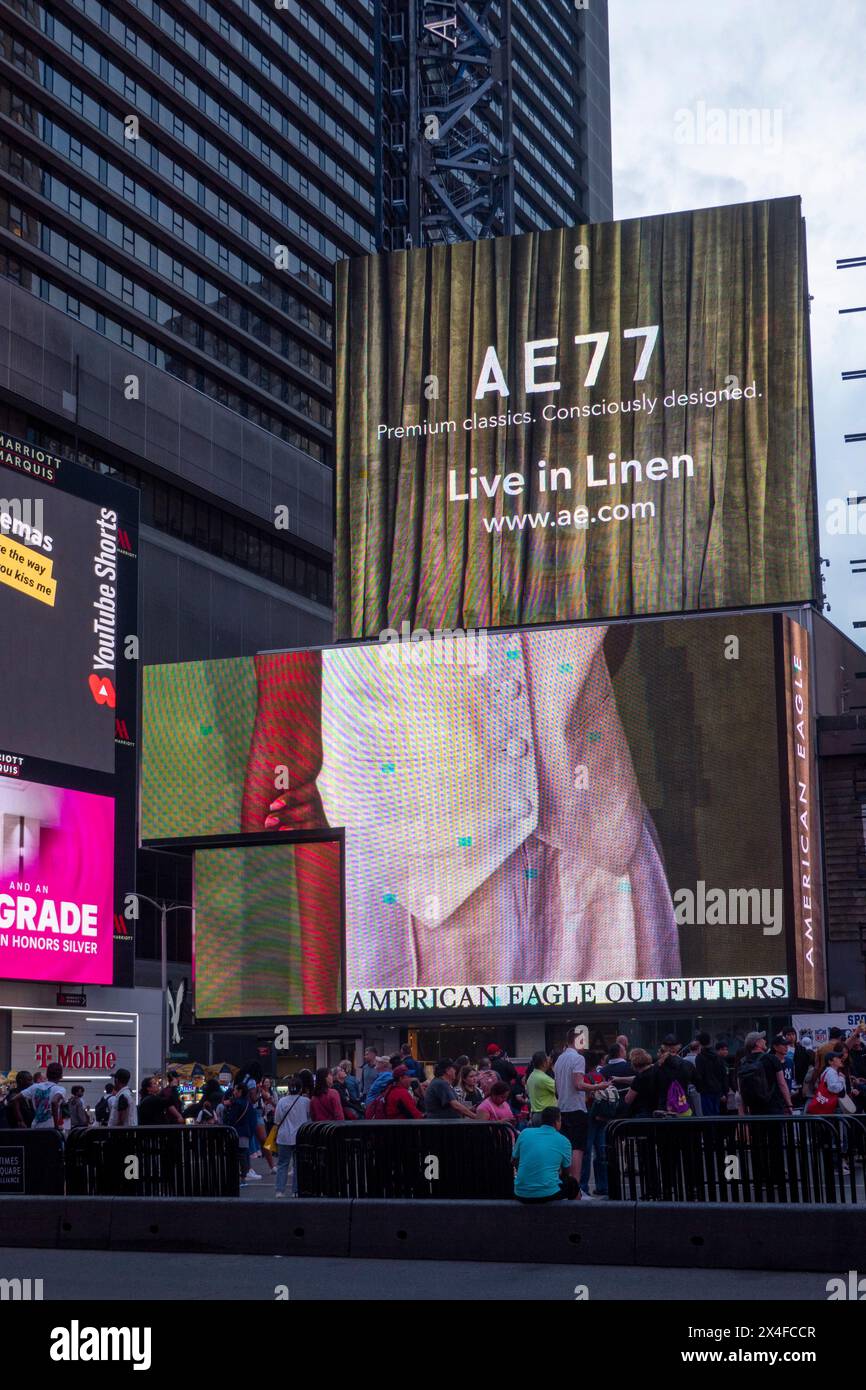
pixel 445 160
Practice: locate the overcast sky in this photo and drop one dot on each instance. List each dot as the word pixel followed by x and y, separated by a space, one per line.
pixel 803 67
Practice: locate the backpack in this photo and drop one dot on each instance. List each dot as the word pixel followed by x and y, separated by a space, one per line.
pixel 677 1102
pixel 753 1081
pixel 102 1110
pixel 376 1109
pixel 605 1104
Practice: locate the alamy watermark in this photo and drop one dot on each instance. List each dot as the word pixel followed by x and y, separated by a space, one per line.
pixel 845 516
pixel 729 907
pixel 21 517
pixel 732 125
pixel 442 647
pixel 852 1289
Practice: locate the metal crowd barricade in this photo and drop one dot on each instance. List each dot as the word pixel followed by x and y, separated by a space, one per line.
pixel 405 1158
pixel 755 1158
pixel 851 1130
pixel 153 1161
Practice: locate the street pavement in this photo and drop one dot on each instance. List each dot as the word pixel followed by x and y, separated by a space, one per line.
pixel 116 1276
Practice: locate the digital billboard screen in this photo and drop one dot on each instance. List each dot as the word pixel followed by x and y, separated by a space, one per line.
pixel 268 930
pixel 56 884
pixel 69 680
pixel 59 606
pixel 585 815
pixel 588 423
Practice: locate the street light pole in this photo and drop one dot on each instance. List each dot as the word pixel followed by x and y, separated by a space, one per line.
pixel 164 908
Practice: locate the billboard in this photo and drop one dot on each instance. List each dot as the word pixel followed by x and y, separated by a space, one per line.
pixel 587 423
pixel 56 884
pixel 268 930
pixel 69 685
pixel 551 818
pixel 804 827
pixel 59 605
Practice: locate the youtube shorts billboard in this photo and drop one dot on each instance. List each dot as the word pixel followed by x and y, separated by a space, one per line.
pixel 68 701
pixel 56 884
pixel 59 600
pixel 586 423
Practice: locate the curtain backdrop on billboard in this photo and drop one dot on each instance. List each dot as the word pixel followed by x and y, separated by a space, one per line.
pixel 587 423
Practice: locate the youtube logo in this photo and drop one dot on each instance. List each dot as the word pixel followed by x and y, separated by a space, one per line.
pixel 102 690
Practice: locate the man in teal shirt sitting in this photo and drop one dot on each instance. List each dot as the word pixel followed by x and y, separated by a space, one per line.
pixel 542 1157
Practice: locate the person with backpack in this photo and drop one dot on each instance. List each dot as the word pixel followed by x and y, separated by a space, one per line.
pixel 711 1076
pixel 673 1077
pixel 415 1068
pixel 47 1097
pixel 761 1078
pixel 102 1109
pixel 291 1112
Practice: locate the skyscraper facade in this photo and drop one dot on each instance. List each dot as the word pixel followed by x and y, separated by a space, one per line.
pixel 176 182
pixel 561 113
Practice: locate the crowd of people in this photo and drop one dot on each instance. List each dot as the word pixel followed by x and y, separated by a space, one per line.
pixel 573 1095
pixel 559 1106
pixel 37 1100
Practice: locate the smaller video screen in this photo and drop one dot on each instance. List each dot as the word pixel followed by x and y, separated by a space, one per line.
pixel 268 930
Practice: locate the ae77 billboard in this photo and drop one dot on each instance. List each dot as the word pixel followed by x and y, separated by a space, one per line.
pixel 589 423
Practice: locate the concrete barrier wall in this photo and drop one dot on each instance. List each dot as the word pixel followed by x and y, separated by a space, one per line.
pixel 562 1233
pixel 665 1235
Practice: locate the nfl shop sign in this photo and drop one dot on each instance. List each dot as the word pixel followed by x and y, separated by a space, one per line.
pixel 71 1058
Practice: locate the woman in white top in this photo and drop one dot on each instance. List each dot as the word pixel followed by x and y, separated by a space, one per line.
pixel 292 1111
pixel 833 1076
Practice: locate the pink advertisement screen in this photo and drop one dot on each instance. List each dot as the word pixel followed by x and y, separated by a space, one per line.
pixel 56 884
